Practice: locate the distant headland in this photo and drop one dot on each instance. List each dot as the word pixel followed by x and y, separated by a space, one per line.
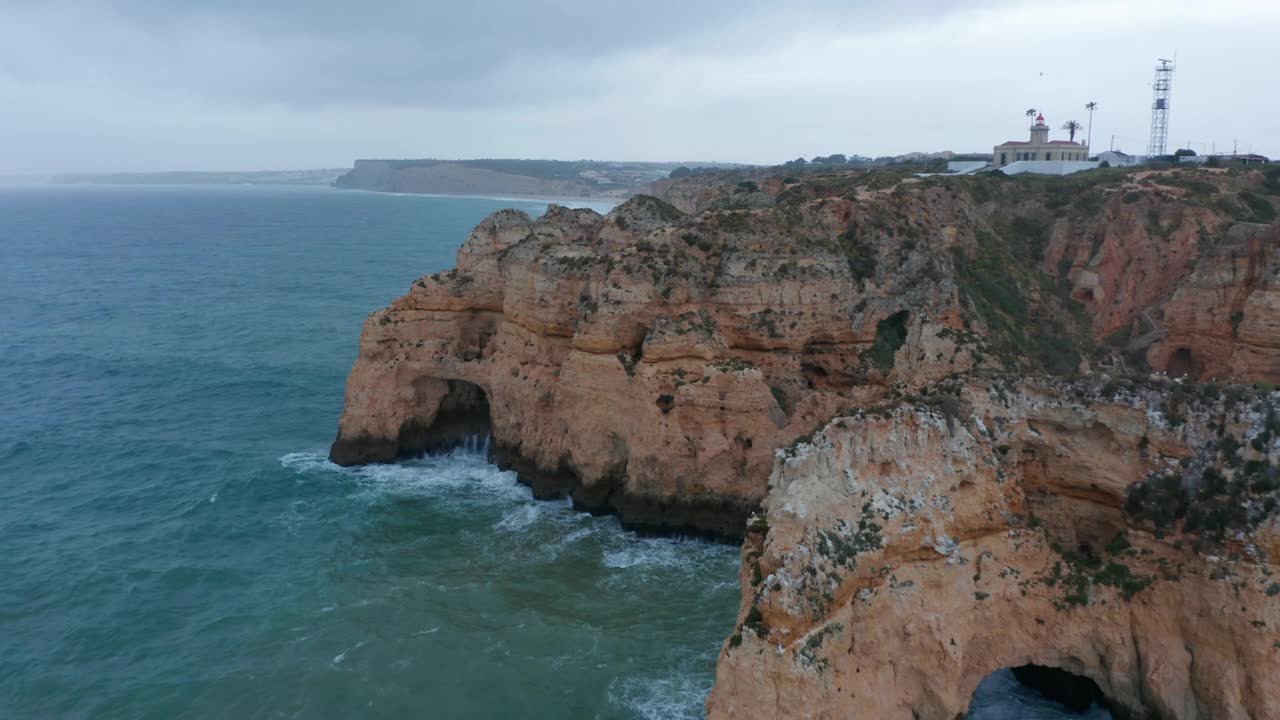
pixel 593 179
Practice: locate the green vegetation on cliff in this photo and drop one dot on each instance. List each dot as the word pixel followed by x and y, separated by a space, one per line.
pixel 1029 317
pixel 1227 489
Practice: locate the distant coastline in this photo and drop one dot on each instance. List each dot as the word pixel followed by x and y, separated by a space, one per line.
pixel 583 180
pixel 579 183
pixel 552 199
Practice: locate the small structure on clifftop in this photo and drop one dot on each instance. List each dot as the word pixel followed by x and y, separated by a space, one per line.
pixel 1041 155
pixel 1039 147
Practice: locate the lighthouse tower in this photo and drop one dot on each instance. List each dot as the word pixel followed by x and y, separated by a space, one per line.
pixel 1040 132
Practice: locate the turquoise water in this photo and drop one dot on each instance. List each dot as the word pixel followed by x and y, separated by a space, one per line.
pixel 174 544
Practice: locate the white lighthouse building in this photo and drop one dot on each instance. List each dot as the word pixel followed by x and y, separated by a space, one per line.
pixel 1039 148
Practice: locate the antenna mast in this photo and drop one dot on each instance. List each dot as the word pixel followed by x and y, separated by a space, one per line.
pixel 1161 88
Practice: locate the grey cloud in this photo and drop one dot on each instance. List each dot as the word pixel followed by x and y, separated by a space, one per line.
pixel 100 85
pixel 396 53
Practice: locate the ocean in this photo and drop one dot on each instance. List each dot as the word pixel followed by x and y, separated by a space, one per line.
pixel 174 543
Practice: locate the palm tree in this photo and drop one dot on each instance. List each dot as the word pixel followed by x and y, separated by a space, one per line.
pixel 1090 106
pixel 1072 127
pixel 1031 112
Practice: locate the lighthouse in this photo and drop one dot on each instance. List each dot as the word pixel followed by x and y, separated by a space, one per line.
pixel 1040 131
pixel 1040 148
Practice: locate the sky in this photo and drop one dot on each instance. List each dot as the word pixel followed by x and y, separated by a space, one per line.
pixel 150 85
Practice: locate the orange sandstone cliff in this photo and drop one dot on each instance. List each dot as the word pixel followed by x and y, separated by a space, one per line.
pixel 1116 531
pixel 927 405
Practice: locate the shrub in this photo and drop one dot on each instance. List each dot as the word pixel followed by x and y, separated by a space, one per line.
pixel 891 334
pixel 1159 500
pixel 860 254
pixel 1262 209
pixel 1271 180
pixel 998 279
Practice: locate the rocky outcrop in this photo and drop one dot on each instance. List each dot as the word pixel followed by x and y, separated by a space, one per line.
pixel 881 368
pixel 725 190
pixel 650 361
pixel 646 363
pixel 908 551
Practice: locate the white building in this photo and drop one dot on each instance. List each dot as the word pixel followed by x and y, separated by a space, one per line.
pixel 1039 148
pixel 1115 158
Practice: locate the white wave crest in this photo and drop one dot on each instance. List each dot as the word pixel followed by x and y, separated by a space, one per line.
pixel 666 552
pixel 466 480
pixel 670 697
pixel 520 518
pixel 342 656
pixel 304 462
pixel 457 475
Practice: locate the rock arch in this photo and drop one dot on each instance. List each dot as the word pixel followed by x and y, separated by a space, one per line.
pixel 461 416
pixel 445 414
pixel 1078 694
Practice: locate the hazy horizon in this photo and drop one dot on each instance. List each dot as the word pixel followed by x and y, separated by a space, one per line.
pixel 154 86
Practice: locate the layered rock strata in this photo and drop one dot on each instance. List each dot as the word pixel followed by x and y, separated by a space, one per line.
pixel 867 363
pixel 908 551
pixel 641 371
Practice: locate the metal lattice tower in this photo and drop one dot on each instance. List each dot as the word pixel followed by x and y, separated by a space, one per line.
pixel 1161 88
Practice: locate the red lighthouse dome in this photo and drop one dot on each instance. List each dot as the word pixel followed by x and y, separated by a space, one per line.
pixel 1040 119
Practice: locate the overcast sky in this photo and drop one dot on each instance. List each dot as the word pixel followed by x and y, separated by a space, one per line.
pixel 125 85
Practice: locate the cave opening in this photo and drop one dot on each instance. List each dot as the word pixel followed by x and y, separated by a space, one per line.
pixel 1083 295
pixel 1180 363
pixel 1039 691
pixel 462 421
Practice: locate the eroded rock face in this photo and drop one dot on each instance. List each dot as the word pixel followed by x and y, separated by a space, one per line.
pixel 1237 279
pixel 652 360
pixel 647 362
pixel 906 553
pixel 573 346
pixel 951 517
pixel 1179 276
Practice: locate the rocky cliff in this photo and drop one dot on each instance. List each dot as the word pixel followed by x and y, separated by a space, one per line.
pixel 1122 532
pixel 933 394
